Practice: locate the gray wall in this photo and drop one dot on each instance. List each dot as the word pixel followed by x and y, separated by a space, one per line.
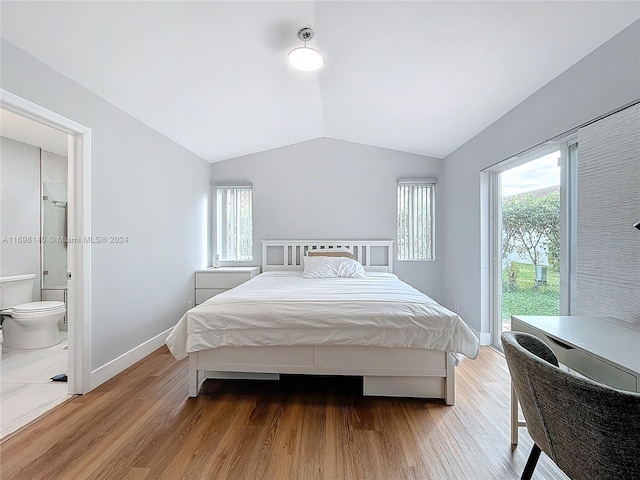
pixel 332 189
pixel 607 78
pixel 20 209
pixel 143 186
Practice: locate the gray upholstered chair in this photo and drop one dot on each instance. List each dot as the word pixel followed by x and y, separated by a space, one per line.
pixel 589 430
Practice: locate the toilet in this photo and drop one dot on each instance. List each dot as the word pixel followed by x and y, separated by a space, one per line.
pixel 27 324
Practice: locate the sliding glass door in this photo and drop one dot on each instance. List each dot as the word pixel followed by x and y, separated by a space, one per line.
pixel 531 235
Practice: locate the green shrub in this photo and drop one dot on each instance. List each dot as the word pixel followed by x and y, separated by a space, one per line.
pixel 523 297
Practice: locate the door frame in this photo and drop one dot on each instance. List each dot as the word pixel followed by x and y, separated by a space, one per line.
pixel 79 233
pixel 568 192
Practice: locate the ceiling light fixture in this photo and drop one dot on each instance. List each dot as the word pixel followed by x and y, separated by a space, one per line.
pixel 305 59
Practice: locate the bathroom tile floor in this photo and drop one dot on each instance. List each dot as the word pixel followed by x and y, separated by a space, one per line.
pixel 26 389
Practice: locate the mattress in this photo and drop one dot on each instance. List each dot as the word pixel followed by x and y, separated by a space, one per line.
pixel 282 308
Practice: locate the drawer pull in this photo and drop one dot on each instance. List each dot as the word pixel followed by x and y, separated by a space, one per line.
pixel 560 344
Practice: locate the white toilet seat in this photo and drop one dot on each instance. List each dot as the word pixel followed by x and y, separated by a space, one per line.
pixel 29 310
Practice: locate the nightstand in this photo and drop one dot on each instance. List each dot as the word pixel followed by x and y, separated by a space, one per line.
pixel 212 281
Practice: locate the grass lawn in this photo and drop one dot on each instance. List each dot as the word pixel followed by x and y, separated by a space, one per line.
pixel 525 298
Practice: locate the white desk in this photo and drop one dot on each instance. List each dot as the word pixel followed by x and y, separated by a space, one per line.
pixel 603 349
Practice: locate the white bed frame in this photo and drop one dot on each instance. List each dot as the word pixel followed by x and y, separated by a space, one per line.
pixel 386 371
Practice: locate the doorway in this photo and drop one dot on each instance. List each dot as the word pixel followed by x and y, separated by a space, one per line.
pixel 531 234
pixel 78 232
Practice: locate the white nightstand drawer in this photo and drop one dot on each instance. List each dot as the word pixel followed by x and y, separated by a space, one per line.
pixel 216 280
pixel 209 282
pixel 204 294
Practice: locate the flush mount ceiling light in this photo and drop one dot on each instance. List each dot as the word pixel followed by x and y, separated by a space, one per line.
pixel 305 59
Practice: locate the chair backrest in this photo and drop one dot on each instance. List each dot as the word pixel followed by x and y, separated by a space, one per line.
pixel 589 430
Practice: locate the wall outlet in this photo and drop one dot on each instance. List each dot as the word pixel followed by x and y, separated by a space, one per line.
pixel 455 306
pixel 189 305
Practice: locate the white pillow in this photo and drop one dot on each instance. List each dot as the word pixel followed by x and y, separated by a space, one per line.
pixel 332 267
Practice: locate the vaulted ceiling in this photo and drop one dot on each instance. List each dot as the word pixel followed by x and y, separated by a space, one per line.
pixel 418 76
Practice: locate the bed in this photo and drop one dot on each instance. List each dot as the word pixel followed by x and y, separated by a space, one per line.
pixel 399 340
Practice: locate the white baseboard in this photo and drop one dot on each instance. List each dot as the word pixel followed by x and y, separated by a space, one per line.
pixel 485 337
pixel 124 361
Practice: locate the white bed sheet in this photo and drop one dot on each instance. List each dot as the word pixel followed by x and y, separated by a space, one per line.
pixel 282 308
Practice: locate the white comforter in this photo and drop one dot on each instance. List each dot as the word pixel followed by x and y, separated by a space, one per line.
pixel 285 309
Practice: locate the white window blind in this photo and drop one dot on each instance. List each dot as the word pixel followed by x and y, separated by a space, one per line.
pixel 234 221
pixel 415 219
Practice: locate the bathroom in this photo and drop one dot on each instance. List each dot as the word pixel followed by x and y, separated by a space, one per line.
pixel 33 230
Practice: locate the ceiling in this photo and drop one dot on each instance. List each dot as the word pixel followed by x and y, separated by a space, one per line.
pixel 418 76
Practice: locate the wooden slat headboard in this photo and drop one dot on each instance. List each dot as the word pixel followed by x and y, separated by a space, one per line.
pixel 282 255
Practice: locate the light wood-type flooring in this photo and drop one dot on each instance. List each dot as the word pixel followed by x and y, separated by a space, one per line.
pixel 142 425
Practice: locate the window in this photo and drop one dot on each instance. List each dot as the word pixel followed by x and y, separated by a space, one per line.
pixel 415 219
pixel 234 222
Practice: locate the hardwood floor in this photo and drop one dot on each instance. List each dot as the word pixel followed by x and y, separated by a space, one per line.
pixel 142 425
